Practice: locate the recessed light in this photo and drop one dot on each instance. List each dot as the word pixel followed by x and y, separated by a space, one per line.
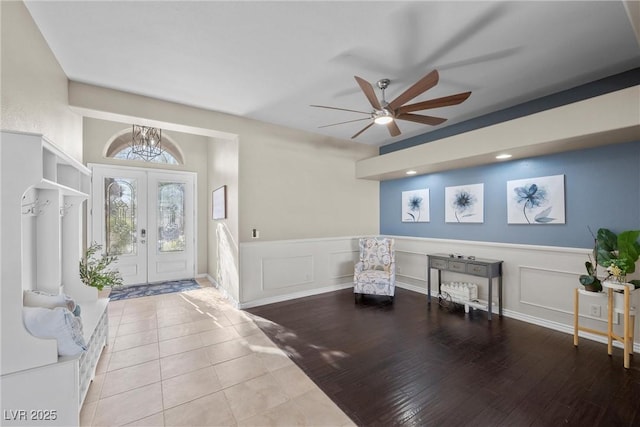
pixel 411 172
pixel 503 156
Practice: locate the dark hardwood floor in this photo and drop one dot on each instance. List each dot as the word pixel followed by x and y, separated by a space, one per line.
pixel 409 363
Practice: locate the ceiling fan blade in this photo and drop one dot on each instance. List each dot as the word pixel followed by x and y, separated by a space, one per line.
pixel 421 86
pixel 393 128
pixel 342 123
pixel 425 120
pixel 341 109
pixel 365 128
pixel 435 103
pixel 369 92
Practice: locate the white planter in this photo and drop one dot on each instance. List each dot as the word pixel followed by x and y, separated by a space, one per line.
pixel 105 292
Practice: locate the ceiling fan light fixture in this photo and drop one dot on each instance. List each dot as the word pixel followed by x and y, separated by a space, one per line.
pixel 383 117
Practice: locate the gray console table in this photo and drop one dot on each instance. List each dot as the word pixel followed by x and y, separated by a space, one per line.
pixel 487 268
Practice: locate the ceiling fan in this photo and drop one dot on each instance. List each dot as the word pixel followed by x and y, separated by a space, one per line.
pixel 386 113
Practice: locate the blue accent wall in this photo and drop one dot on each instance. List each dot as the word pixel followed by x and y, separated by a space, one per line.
pixel 602 189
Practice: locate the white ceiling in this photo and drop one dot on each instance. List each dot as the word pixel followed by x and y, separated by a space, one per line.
pixel 270 60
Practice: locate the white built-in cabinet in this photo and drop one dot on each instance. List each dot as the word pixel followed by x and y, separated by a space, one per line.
pixel 42 195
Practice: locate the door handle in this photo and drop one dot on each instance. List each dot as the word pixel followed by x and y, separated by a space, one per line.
pixel 143 234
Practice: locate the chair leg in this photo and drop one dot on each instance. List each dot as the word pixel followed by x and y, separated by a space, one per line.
pixel 391 299
pixel 358 298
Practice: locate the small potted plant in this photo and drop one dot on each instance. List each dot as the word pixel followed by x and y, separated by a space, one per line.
pixel 619 253
pixel 95 269
pixel 618 270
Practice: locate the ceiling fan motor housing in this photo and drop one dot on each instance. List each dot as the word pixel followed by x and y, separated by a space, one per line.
pixel 383 83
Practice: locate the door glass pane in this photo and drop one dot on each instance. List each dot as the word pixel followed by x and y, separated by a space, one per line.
pixel 171 216
pixel 120 212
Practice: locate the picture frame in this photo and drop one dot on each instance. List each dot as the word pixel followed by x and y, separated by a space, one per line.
pixel 464 204
pixel 219 203
pixel 415 206
pixel 536 201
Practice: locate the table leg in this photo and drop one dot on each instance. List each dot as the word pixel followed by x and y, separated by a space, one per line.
pixel 627 341
pixel 428 283
pixel 489 308
pixel 610 323
pixel 500 295
pixel 576 307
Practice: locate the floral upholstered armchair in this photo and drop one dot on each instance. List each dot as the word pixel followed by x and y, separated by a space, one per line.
pixel 375 273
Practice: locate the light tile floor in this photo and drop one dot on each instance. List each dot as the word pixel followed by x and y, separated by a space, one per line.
pixel 191 359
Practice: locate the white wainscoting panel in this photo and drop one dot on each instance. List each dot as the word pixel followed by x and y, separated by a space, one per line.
pixel 411 265
pixel 341 264
pixel 543 287
pixel 285 272
pixel 274 271
pixel 538 281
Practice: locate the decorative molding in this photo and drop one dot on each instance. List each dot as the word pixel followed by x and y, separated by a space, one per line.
pixel 288 277
pixel 353 256
pixel 539 285
pixel 492 245
pixel 317 239
pixel 409 255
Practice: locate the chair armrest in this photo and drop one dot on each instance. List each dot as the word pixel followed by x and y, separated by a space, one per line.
pixel 359 267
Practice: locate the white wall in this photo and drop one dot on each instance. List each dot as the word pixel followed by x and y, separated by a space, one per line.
pixel 295 185
pixel 34 95
pixel 223 263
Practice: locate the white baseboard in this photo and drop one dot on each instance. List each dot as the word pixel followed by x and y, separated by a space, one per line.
pixel 301 294
pixel 414 288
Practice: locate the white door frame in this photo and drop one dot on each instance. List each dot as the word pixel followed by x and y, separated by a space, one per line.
pixel 96 224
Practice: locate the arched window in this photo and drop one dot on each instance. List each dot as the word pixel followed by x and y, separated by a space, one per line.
pixel 120 148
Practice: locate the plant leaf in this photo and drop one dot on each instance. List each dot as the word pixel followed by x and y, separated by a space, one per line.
pixel 607 244
pixel 629 248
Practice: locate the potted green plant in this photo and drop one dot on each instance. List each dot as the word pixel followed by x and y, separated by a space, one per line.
pixel 95 269
pixel 618 253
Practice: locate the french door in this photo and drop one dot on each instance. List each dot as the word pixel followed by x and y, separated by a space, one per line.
pixel 145 217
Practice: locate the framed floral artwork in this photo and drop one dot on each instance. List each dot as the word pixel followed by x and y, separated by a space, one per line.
pixel 536 200
pixel 415 206
pixel 464 203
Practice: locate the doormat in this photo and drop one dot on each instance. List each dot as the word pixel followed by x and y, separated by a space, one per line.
pixel 137 291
